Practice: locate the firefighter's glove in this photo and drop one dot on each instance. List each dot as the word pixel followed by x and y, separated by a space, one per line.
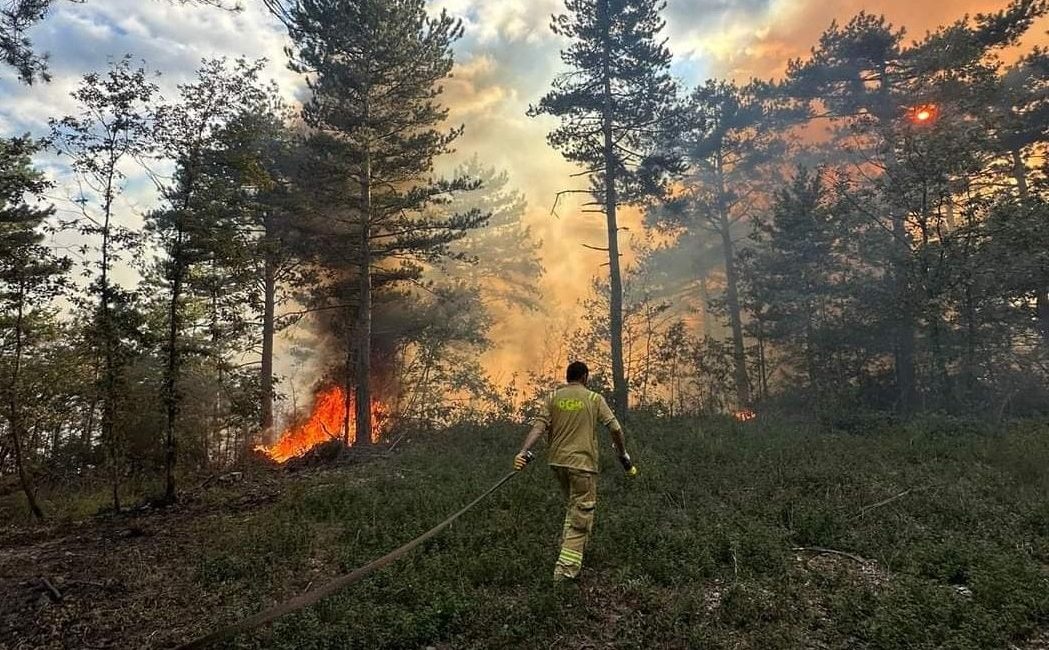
pixel 522 459
pixel 628 464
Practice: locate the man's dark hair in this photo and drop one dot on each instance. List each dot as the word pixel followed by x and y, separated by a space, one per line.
pixel 577 371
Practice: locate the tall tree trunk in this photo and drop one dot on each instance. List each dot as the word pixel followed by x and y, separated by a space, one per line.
pixel 348 384
pixel 171 372
pixel 619 386
pixel 763 366
pixel 212 440
pixel 269 291
pixel 23 473
pixel 15 409
pixel 88 430
pixel 906 386
pixel 109 379
pixel 904 325
pixel 363 399
pixel 969 367
pixel 739 355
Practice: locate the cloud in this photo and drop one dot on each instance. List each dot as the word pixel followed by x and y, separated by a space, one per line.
pixel 168 38
pixel 490 21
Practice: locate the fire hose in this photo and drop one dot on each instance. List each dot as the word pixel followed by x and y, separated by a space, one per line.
pixel 339 583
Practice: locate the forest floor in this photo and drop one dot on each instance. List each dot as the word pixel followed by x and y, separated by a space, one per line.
pixel 755 535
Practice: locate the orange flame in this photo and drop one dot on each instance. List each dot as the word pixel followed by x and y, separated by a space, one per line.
pixel 744 415
pixel 325 423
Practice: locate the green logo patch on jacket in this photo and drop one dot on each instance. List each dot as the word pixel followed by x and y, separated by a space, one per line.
pixel 569 404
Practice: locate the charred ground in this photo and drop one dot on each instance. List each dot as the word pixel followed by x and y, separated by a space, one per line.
pixel 943 521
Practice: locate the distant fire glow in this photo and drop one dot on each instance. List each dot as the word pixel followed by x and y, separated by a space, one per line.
pixel 325 423
pixel 924 114
pixel 744 415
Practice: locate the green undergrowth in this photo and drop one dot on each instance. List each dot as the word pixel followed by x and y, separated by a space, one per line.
pixel 699 551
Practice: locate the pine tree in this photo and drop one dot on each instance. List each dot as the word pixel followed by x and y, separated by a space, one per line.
pixel 613 103
pixel 30 277
pixel 375 69
pixel 803 279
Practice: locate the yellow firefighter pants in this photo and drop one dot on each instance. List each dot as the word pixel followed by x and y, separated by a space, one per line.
pixel 580 491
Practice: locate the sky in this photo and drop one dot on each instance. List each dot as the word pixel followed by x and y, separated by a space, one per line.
pixel 504 63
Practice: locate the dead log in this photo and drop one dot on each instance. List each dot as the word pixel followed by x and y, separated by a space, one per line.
pixel 52 591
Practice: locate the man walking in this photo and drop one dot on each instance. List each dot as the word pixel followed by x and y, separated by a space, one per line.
pixel 569 415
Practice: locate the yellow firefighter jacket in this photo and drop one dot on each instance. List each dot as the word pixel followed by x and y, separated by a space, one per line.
pixel 570 415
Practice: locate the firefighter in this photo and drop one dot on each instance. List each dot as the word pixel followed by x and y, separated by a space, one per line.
pixel 569 415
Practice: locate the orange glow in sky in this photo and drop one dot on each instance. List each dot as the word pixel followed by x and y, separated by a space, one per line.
pixel 922 114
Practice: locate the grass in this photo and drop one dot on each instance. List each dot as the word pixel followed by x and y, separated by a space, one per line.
pixel 695 552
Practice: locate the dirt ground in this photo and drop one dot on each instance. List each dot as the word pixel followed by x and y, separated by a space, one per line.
pixel 114 581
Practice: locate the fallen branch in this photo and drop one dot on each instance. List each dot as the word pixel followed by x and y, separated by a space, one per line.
pixel 891 499
pixel 204 483
pixel 819 550
pixel 53 591
pixel 396 442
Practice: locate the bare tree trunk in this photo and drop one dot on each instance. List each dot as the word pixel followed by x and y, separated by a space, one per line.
pixel 1020 173
pixel 732 293
pixel 363 401
pixel 904 327
pixel 648 355
pixel 23 473
pixel 109 393
pixel 15 409
pixel 87 431
pixel 619 385
pixel 269 309
pixel 904 335
pixel 171 372
pixel 269 329
pixel 763 366
pixel 348 383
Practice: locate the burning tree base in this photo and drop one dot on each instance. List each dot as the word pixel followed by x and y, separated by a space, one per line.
pixel 332 415
pixel 325 453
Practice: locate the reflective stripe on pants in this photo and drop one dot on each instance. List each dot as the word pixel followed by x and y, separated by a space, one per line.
pixel 580 491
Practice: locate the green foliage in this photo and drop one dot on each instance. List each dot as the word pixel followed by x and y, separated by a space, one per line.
pixel 501 259
pixel 378 64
